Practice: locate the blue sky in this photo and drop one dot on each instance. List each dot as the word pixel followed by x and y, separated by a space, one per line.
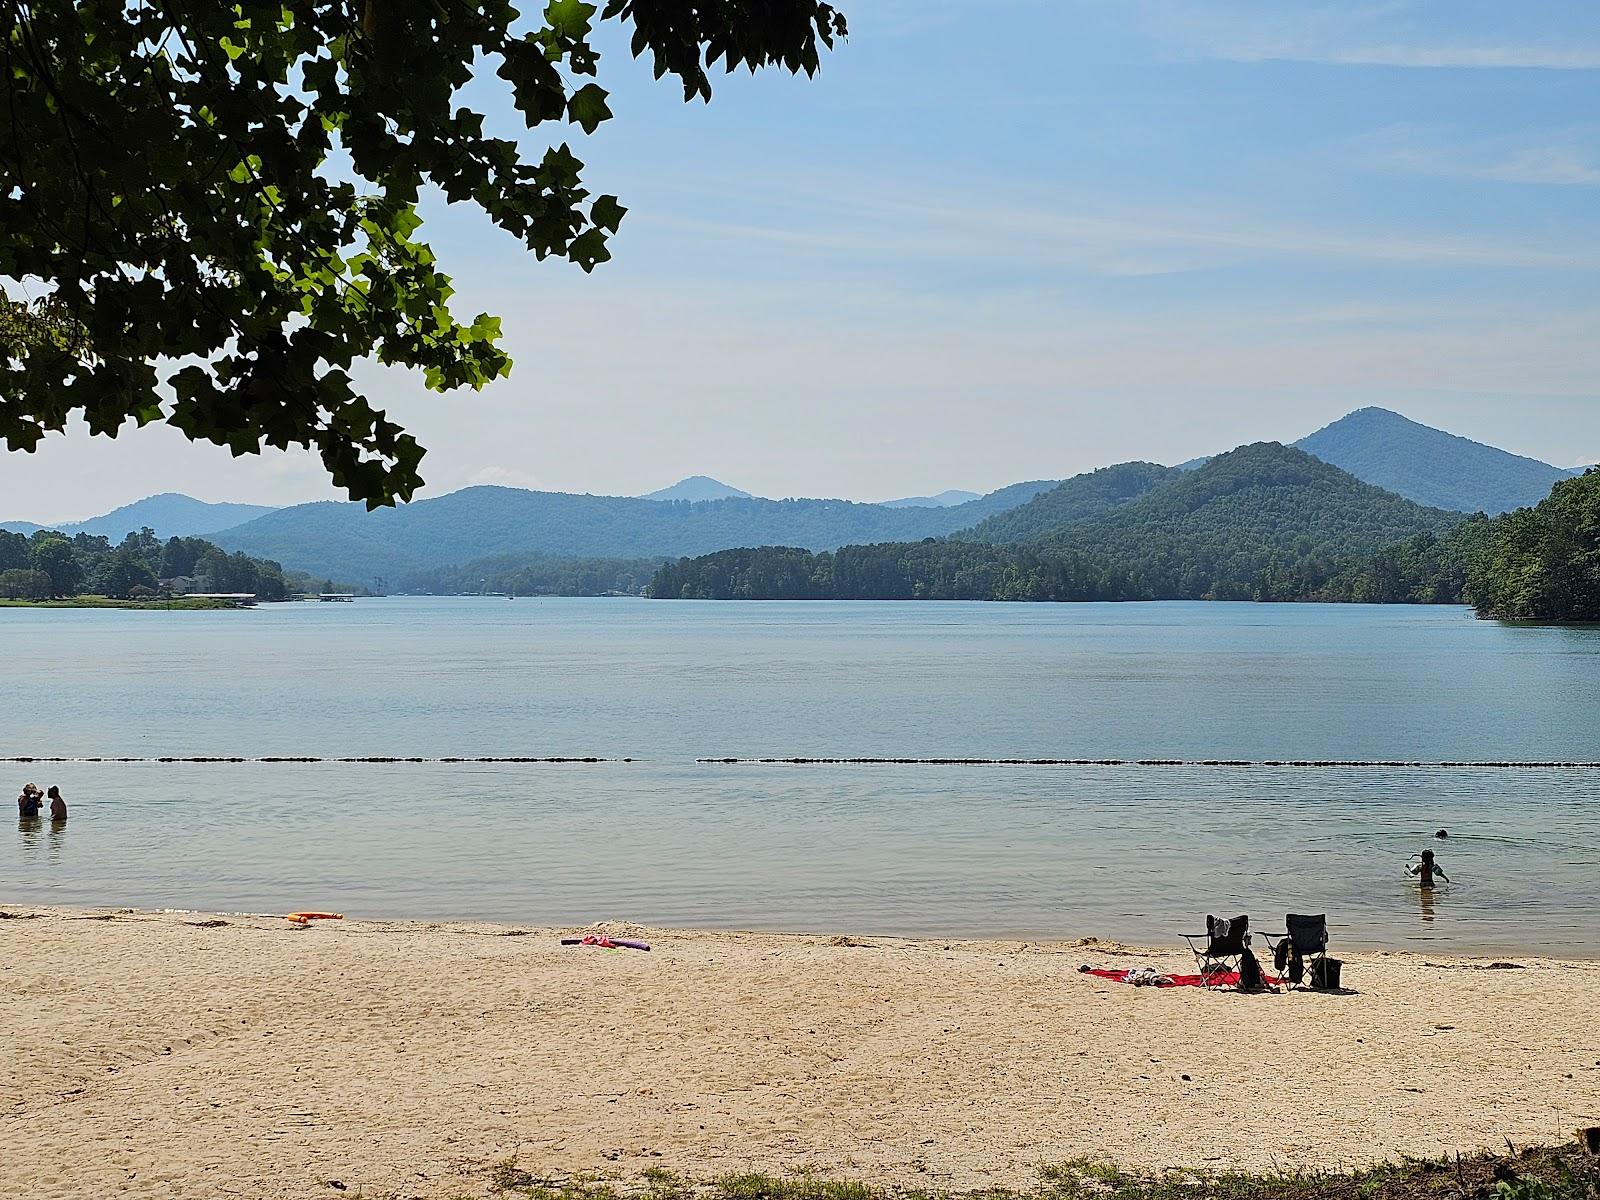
pixel 1012 239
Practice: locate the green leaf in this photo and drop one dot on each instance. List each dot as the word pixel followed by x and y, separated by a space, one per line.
pixel 588 107
pixel 607 213
pixel 569 18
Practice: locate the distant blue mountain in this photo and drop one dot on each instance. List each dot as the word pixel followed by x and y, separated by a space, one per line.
pixel 169 514
pixel 942 500
pixel 695 488
pixel 407 542
pixel 1431 466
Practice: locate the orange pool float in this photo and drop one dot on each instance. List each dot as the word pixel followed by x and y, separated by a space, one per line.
pixel 305 918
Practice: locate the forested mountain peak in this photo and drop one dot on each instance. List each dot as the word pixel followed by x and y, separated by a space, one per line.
pixel 1274 475
pixel 697 487
pixel 1264 520
pixel 1431 466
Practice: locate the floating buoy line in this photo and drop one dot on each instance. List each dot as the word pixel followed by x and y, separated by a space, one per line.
pixel 377 759
pixel 1511 764
pixel 291 758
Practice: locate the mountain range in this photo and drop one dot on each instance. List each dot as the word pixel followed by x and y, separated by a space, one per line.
pixel 1263 522
pixel 698 515
pixel 170 514
pixel 346 540
pixel 695 488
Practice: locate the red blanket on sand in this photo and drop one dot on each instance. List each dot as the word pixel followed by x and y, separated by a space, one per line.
pixel 1221 979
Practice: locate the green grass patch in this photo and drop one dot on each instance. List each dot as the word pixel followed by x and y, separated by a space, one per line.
pixel 1558 1173
pixel 179 604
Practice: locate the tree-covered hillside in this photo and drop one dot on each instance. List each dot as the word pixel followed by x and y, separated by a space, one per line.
pixel 1074 499
pixel 1543 563
pixel 1429 465
pixel 1264 521
pixel 930 570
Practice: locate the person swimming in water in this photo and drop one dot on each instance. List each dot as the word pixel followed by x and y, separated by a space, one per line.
pixel 58 806
pixel 30 802
pixel 1426 870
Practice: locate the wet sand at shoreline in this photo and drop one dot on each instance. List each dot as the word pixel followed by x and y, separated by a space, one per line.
pixel 154 1054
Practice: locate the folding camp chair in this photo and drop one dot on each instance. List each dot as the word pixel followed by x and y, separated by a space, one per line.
pixel 1220 949
pixel 1302 949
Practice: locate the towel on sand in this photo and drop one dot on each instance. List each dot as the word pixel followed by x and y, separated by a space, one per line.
pixel 1149 977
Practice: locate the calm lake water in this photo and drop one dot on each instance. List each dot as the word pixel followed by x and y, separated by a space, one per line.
pixel 1133 852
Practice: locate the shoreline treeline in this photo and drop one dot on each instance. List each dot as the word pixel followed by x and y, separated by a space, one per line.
pixel 1536 564
pixel 49 565
pixel 537 575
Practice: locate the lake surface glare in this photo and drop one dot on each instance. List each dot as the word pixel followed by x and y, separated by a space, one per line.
pixel 1137 853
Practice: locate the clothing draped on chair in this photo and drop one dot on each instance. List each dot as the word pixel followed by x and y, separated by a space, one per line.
pixel 1303 947
pixel 1219 952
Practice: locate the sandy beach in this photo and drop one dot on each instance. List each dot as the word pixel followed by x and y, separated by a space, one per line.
pixel 166 1054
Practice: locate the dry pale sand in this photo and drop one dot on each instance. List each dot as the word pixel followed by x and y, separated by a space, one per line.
pixel 147 1055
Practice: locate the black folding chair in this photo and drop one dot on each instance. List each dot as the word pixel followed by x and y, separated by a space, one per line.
pixel 1220 949
pixel 1302 949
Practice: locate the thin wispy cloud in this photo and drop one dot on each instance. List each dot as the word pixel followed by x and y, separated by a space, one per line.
pixel 851 219
pixel 1566 158
pixel 1381 35
pixel 1455 57
pixel 1539 58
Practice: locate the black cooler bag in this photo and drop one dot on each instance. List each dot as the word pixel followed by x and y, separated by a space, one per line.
pixel 1325 974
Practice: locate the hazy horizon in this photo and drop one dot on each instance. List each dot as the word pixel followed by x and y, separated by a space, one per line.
pixel 1110 238
pixel 60 519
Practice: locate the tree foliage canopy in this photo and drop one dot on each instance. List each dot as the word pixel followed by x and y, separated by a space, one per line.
pixel 219 201
pixel 50 564
pixel 1543 563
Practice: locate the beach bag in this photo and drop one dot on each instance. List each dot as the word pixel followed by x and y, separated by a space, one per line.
pixel 1250 973
pixel 1325 974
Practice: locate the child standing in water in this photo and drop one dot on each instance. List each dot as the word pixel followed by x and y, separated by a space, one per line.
pixel 1426 870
